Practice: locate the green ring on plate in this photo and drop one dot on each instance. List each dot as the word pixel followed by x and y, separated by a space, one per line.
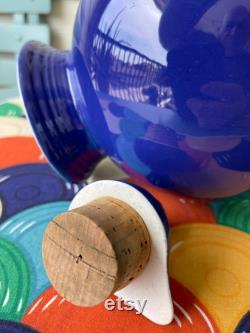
pixel 14 282
pixel 235 213
pixel 10 110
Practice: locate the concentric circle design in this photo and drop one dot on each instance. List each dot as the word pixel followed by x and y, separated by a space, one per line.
pixel 213 262
pixel 26 230
pixel 14 281
pixel 25 186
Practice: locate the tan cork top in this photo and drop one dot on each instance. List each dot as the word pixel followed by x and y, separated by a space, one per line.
pixel 92 251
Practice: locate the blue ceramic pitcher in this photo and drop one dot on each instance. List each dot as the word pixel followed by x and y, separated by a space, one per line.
pixel 160 86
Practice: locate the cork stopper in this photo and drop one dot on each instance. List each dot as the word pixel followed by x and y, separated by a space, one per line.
pixel 92 251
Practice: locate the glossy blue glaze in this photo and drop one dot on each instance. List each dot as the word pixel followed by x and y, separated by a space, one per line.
pixel 162 87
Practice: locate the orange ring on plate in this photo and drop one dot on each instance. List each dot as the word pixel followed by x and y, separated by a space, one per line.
pixel 19 150
pixel 179 208
pixel 51 313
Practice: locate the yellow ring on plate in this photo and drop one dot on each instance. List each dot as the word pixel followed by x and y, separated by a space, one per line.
pixel 213 262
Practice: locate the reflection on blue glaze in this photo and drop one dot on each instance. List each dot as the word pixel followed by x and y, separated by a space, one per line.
pixel 26 230
pixel 170 80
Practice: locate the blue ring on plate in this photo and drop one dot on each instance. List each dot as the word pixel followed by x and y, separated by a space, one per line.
pixel 27 185
pixel 26 231
pixel 12 327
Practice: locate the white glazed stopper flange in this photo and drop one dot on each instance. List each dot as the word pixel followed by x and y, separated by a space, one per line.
pixel 113 239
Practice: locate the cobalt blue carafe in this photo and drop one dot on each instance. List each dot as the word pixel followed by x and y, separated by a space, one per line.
pixel 160 86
